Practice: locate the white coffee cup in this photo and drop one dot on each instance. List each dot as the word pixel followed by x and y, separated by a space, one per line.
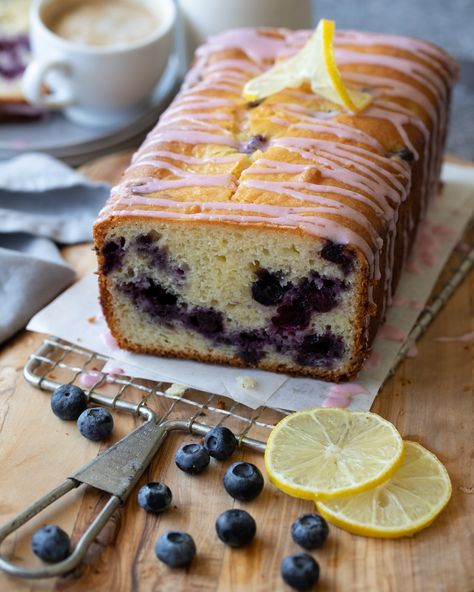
pixel 104 86
pixel 202 18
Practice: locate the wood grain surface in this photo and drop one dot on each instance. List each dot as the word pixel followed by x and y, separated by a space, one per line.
pixel 430 400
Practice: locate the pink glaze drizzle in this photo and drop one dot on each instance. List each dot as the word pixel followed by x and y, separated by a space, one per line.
pixel 113 373
pixel 109 340
pixel 466 338
pixel 340 395
pixel 392 333
pixel 373 360
pixel 90 379
pixel 404 301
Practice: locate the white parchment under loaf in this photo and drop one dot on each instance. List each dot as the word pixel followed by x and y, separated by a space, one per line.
pixel 68 317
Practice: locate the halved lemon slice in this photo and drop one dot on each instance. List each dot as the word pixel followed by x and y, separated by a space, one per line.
pixel 408 502
pixel 324 453
pixel 315 63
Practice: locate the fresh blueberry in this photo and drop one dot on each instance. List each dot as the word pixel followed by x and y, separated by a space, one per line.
pixel 300 571
pixel 176 549
pixel 309 531
pixel 68 402
pixel 243 481
pixel 192 458
pixel 154 497
pixel 220 442
pixel 267 289
pixel 51 543
pixel 95 423
pixel 236 528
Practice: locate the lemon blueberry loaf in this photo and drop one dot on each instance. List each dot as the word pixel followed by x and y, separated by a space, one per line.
pixel 272 233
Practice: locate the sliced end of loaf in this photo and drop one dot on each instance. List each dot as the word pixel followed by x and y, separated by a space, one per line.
pixel 240 295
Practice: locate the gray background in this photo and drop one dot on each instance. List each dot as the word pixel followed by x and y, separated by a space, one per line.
pixel 449 23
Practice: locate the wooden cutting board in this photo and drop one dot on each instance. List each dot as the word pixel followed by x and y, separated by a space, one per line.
pixel 430 400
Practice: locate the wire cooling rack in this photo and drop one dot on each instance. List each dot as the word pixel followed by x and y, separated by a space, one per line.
pixel 58 362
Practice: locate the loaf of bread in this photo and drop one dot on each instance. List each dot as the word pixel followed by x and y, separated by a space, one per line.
pixel 272 234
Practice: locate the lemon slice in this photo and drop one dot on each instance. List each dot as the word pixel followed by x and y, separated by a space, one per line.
pixel 324 453
pixel 315 63
pixel 409 501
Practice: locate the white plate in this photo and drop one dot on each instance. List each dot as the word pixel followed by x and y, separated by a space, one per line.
pixel 64 139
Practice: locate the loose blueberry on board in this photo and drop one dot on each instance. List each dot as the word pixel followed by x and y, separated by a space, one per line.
pixel 236 528
pixel 68 402
pixel 309 531
pixel 300 571
pixel 220 442
pixel 192 458
pixel 51 544
pixel 243 481
pixel 96 423
pixel 176 549
pixel 154 497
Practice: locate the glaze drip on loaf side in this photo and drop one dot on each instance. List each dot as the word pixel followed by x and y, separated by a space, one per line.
pixel 295 186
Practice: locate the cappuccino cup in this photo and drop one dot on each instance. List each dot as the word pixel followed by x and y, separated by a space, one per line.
pixel 98 60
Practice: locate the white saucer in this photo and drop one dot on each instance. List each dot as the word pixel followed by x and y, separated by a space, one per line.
pixel 60 137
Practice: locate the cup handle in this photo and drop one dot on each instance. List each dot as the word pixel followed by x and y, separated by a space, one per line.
pixel 34 82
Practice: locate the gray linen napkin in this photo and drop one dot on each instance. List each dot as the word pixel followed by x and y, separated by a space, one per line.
pixel 42 202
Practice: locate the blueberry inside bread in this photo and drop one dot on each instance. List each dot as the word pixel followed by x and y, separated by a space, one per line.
pixel 272 234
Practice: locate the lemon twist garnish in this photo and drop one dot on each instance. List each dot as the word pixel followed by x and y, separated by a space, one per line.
pixel 315 63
